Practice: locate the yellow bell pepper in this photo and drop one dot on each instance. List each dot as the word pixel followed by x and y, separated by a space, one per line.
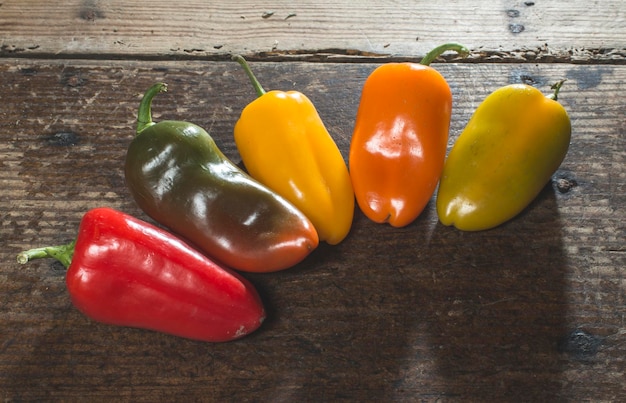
pixel 284 144
pixel 511 146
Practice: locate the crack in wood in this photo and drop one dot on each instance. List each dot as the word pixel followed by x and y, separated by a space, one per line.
pixel 543 54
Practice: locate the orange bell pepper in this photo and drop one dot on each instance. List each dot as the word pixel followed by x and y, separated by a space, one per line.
pixel 400 137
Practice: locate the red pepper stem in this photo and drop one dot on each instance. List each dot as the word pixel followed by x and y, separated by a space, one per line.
pixel 556 87
pixel 255 83
pixel 439 50
pixel 62 253
pixel 144 116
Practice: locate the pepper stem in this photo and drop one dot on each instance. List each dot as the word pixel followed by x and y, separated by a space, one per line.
pixel 62 253
pixel 144 115
pixel 255 83
pixel 556 87
pixel 439 50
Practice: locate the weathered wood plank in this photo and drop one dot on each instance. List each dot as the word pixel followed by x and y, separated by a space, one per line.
pixel 508 30
pixel 532 311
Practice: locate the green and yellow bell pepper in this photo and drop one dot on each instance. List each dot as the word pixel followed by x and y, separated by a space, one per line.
pixel 511 146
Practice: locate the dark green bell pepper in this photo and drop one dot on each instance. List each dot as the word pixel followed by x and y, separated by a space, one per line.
pixel 180 178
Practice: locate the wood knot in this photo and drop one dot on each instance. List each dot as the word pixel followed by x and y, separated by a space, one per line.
pixel 64 139
pixel 564 185
pixel 580 345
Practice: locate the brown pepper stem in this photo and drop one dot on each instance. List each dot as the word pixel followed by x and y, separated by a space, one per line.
pixel 144 115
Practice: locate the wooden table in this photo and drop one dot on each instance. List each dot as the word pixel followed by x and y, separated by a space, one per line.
pixel 534 310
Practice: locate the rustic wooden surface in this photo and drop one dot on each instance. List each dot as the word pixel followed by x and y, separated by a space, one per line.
pixel 511 30
pixel 531 311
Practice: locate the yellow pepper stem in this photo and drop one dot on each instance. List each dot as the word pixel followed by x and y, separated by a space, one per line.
pixel 255 83
pixel 439 50
pixel 556 87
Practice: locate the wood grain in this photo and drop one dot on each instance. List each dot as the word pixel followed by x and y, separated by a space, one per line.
pixel 531 311
pixel 509 30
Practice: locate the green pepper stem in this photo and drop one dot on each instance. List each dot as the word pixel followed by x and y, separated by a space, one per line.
pixel 439 50
pixel 255 83
pixel 62 253
pixel 556 87
pixel 144 115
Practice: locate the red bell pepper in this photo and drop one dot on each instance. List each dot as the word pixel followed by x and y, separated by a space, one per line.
pixel 124 271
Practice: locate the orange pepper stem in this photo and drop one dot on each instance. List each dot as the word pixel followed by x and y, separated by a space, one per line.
pixel 439 50
pixel 255 83
pixel 556 87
